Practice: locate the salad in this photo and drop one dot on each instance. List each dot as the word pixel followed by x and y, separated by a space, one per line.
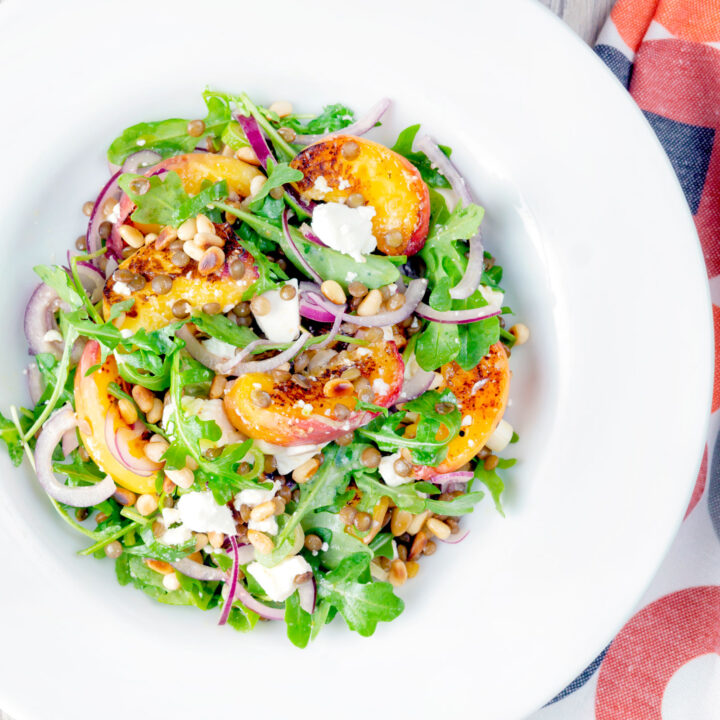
pixel 272 375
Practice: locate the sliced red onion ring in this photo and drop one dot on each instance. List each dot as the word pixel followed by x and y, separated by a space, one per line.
pixel 457 317
pixel 111 189
pixel 288 235
pixel 460 476
pixel 264 611
pixel 442 162
pixel 91 279
pixel 60 422
pixel 473 272
pixel 453 540
pixel 257 141
pixel 117 443
pixel 140 161
pixel 233 581
pixel 40 319
pixel 416 385
pixel 309 235
pixel 70 442
pixel 307 592
pixel 198 571
pixel 236 366
pixel 334 330
pixel 311 311
pixel 360 127
pixel 198 351
pixel 35 382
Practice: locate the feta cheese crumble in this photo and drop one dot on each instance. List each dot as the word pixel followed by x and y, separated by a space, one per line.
pixel 289 458
pixel 122 288
pixel 387 471
pixel 492 297
pixel 255 496
pixel 347 230
pixel 321 185
pixel 199 512
pixel 277 581
pixel 282 323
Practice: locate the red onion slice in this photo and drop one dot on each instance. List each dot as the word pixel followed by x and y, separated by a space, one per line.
pixel 198 571
pixel 334 330
pixel 416 385
pixel 457 317
pixel 455 541
pixel 40 319
pixel 413 295
pixel 140 161
pixel 236 366
pixel 93 242
pixel 442 162
pixel 70 442
pixel 311 311
pixel 309 235
pixel 117 443
pixel 359 127
pixel 308 592
pixel 460 476
pixel 473 272
pixel 91 279
pixel 35 383
pixel 257 141
pixel 198 351
pixel 233 581
pixel 309 270
pixel 264 611
pixel 60 422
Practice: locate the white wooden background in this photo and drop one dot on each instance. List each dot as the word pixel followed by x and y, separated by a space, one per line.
pixel 584 16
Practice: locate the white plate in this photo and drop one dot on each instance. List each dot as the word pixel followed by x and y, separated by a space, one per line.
pixel 610 396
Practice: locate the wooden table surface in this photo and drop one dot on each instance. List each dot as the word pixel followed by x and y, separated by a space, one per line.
pixel 584 16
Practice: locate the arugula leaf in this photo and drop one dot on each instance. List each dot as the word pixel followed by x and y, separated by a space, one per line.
pixel 170 137
pixel 277 175
pixel 460 505
pixel 492 481
pixel 437 345
pixel 270 274
pixel 403 146
pixel 371 407
pixel 107 334
pixel 10 435
pixel 151 548
pixel 382 545
pixel 332 118
pixel 117 309
pixel 340 545
pixel 425 447
pixel 58 279
pixel 225 330
pixel 79 472
pixel 166 202
pixel 475 341
pixel 331 478
pixel 298 621
pixel 362 602
pixel 241 618
pixel 404 496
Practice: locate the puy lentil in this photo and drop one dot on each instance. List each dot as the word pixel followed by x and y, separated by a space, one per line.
pixel 211 308
pixel 347 514
pixel 287 292
pixel 260 305
pixel 195 128
pixel 180 258
pixel 313 543
pixel 81 243
pixel 491 462
pixel 362 521
pixel 181 309
pixel 370 457
pixel 113 550
pixel 104 230
pixel 350 150
pixel 355 200
pixel 260 398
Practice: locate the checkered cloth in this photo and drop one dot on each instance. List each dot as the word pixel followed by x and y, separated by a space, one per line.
pixel 665 662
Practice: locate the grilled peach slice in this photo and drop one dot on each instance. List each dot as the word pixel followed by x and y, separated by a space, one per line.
pixel 153 311
pixel 115 446
pixel 344 165
pixel 300 416
pixel 194 169
pixel 482 395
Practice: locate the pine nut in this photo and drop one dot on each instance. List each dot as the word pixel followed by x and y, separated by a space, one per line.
pixel 204 224
pixel 400 522
pixel 87 208
pixel 113 550
pixel 201 540
pixel 247 154
pixel 192 250
pixel 412 568
pixel 337 387
pixel 438 528
pixel 155 415
pixel 191 463
pixel 303 473
pixel 205 240
pixel 160 566
pixel 132 236
pixel 171 582
pixel 370 304
pixel 260 541
pixel 155 450
pixel 418 545
pixel 398 573
pixel 183 478
pixel 143 397
pixel 146 504
pixel 263 511
pixel 256 185
pixel 217 387
pixel 167 235
pixel 127 411
pixel 187 230
pixel 521 333
pixel 333 291
pixel 124 496
pixel 417 522
pixel 282 108
pixel 216 539
pixel 211 261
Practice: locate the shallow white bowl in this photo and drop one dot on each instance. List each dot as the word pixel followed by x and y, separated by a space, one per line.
pixel 584 212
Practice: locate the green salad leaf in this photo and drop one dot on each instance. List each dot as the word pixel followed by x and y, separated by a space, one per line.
pixel 332 118
pixel 223 329
pixel 403 146
pixel 298 621
pixel 60 281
